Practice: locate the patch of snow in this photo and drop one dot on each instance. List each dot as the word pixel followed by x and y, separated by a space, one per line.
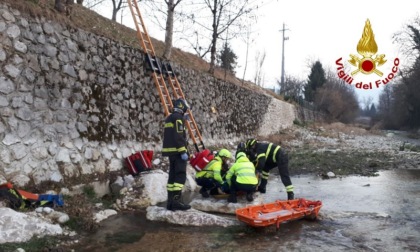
pixel 190 217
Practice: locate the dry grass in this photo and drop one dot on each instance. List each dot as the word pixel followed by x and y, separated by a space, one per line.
pixel 280 139
pixel 90 21
pixel 335 127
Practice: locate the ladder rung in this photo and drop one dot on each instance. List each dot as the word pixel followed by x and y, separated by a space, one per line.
pixel 161 70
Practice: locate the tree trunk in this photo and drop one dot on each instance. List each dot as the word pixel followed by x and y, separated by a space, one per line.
pixel 213 39
pixel 115 8
pixel 169 30
pixel 246 55
pixel 114 15
pixel 59 6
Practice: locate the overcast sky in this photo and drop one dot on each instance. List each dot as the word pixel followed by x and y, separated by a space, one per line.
pixel 322 30
pixel 328 30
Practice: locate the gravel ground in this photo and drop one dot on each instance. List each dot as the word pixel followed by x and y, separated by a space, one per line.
pixel 346 150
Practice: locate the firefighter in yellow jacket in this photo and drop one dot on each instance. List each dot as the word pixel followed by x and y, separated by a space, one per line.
pixel 241 177
pixel 175 147
pixel 211 176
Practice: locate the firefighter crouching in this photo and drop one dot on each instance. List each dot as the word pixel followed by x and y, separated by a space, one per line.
pixel 175 148
pixel 241 177
pixel 267 156
pixel 211 176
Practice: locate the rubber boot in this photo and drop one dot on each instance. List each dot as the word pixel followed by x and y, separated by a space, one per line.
pixel 232 198
pixel 261 187
pixel 290 195
pixel 169 201
pixel 177 204
pixel 204 193
pixel 249 197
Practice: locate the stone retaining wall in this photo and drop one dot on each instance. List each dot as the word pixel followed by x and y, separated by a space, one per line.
pixel 74 103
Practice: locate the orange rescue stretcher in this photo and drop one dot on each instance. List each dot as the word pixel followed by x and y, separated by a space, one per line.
pixel 278 212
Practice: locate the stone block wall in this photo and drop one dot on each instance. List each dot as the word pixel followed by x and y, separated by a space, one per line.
pixel 74 103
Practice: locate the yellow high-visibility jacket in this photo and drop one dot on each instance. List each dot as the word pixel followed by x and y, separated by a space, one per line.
pixel 212 170
pixel 244 170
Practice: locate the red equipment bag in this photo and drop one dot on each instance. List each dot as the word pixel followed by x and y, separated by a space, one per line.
pixel 139 162
pixel 199 160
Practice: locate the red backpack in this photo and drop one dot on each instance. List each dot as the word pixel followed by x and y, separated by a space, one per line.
pixel 139 162
pixel 199 160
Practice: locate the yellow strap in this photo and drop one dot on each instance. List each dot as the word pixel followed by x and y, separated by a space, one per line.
pixel 265 174
pixel 179 126
pixel 169 125
pixel 177 187
pixel 181 149
pixel 268 150
pixel 275 153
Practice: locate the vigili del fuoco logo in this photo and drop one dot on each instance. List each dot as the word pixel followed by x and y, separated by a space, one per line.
pixel 367 62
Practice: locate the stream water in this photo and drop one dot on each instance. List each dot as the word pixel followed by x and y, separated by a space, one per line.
pixel 379 213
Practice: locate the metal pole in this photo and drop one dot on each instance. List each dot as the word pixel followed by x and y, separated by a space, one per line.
pixel 282 56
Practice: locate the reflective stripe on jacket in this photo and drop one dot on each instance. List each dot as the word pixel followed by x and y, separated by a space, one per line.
pixel 244 171
pixel 265 155
pixel 212 170
pixel 174 135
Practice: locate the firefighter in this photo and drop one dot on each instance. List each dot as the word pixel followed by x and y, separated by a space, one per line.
pixel 175 148
pixel 211 176
pixel 241 177
pixel 267 156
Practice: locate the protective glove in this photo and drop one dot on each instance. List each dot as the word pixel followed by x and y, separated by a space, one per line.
pixel 220 191
pixel 290 195
pixel 184 156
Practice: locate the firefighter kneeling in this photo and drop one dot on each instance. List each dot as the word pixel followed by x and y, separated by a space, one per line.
pixel 241 177
pixel 210 177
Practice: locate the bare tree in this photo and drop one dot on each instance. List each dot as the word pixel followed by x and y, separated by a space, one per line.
pixel 367 102
pixel 63 6
pixel 248 35
pixel 405 95
pixel 259 74
pixel 169 27
pixel 337 99
pixel 162 13
pixel 292 88
pixel 224 15
pixel 408 40
pixel 385 99
pixel 117 5
pixel 201 31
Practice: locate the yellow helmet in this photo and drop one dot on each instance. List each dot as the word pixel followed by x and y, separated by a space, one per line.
pixel 224 153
